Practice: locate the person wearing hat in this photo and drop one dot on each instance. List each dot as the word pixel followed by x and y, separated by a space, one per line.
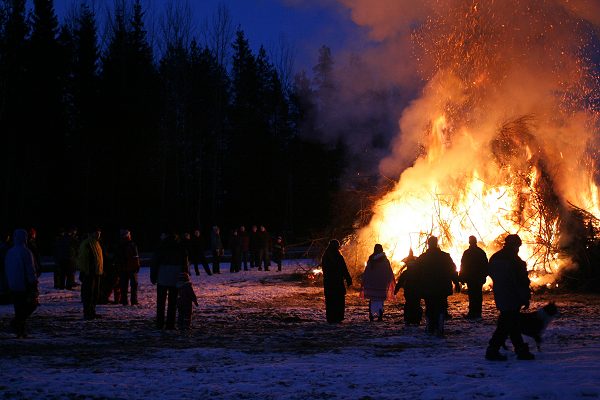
pixel 473 272
pixel 511 292
pixel 436 274
pixel 378 282
pixel 335 272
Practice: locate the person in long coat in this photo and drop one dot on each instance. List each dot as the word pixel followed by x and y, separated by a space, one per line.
pixel 22 281
pixel 511 292
pixel 473 272
pixel 408 280
pixel 170 260
pixel 437 273
pixel 91 269
pixel 335 272
pixel 378 282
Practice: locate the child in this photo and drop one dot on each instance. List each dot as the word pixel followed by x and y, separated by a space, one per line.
pixel 185 298
pixel 278 252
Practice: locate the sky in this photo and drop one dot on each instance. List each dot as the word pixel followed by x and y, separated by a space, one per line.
pixel 305 24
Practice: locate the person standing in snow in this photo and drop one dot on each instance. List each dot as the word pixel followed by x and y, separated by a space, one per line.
pixel 65 253
pixel 254 246
pixel 91 269
pixel 278 252
pixel 473 272
pixel 335 272
pixel 216 246
pixel 128 261
pixel 245 244
pixel 511 292
pixel 264 244
pixel 22 281
pixel 185 299
pixel 436 272
pixel 196 253
pixel 408 280
pixel 378 282
pixel 170 260
pixel 236 252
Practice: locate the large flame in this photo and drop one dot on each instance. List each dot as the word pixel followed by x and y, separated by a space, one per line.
pixel 505 132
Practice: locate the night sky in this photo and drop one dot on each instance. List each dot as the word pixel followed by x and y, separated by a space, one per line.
pixel 305 24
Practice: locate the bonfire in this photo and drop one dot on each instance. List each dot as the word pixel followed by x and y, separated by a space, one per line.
pixel 503 139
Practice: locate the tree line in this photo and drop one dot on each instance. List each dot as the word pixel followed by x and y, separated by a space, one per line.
pixel 111 130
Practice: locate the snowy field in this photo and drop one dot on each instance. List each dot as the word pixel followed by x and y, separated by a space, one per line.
pixel 263 335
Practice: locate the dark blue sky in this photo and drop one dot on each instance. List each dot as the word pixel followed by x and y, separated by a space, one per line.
pixel 306 24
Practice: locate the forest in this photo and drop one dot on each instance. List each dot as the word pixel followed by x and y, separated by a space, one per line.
pixel 104 127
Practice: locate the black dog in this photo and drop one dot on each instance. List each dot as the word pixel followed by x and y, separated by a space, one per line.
pixel 533 324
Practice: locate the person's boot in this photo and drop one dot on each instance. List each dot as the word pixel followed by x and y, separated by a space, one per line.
pixel 493 354
pixel 523 352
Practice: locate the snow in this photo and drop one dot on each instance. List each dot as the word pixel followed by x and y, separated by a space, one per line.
pixel 263 335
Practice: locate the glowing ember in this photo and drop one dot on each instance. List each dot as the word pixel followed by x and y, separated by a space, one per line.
pixel 504 135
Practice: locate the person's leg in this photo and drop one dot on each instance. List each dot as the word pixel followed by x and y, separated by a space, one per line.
pixel 161 299
pixel 86 290
pixel 171 307
pixel 196 269
pixel 133 277
pixel 95 294
pixel 498 338
pixel 476 299
pixel 18 299
pixel 514 332
pixel 204 263
pixel 267 260
pixel 124 286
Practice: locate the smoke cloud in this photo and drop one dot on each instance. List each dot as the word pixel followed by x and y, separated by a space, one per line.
pixel 506 88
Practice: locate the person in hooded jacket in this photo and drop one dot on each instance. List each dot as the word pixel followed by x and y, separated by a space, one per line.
pixel 335 272
pixel 473 272
pixel 378 282
pixel 511 292
pixel 170 260
pixel 437 273
pixel 22 281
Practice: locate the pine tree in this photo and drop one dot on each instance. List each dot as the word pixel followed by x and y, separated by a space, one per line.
pixel 13 109
pixel 130 90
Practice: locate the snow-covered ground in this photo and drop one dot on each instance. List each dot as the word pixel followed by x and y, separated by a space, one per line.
pixel 263 335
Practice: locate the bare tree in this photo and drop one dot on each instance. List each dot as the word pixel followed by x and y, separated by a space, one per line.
pixel 176 24
pixel 218 33
pixel 283 54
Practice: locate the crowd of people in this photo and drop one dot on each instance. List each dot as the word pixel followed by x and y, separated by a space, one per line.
pixel 431 277
pixel 113 272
